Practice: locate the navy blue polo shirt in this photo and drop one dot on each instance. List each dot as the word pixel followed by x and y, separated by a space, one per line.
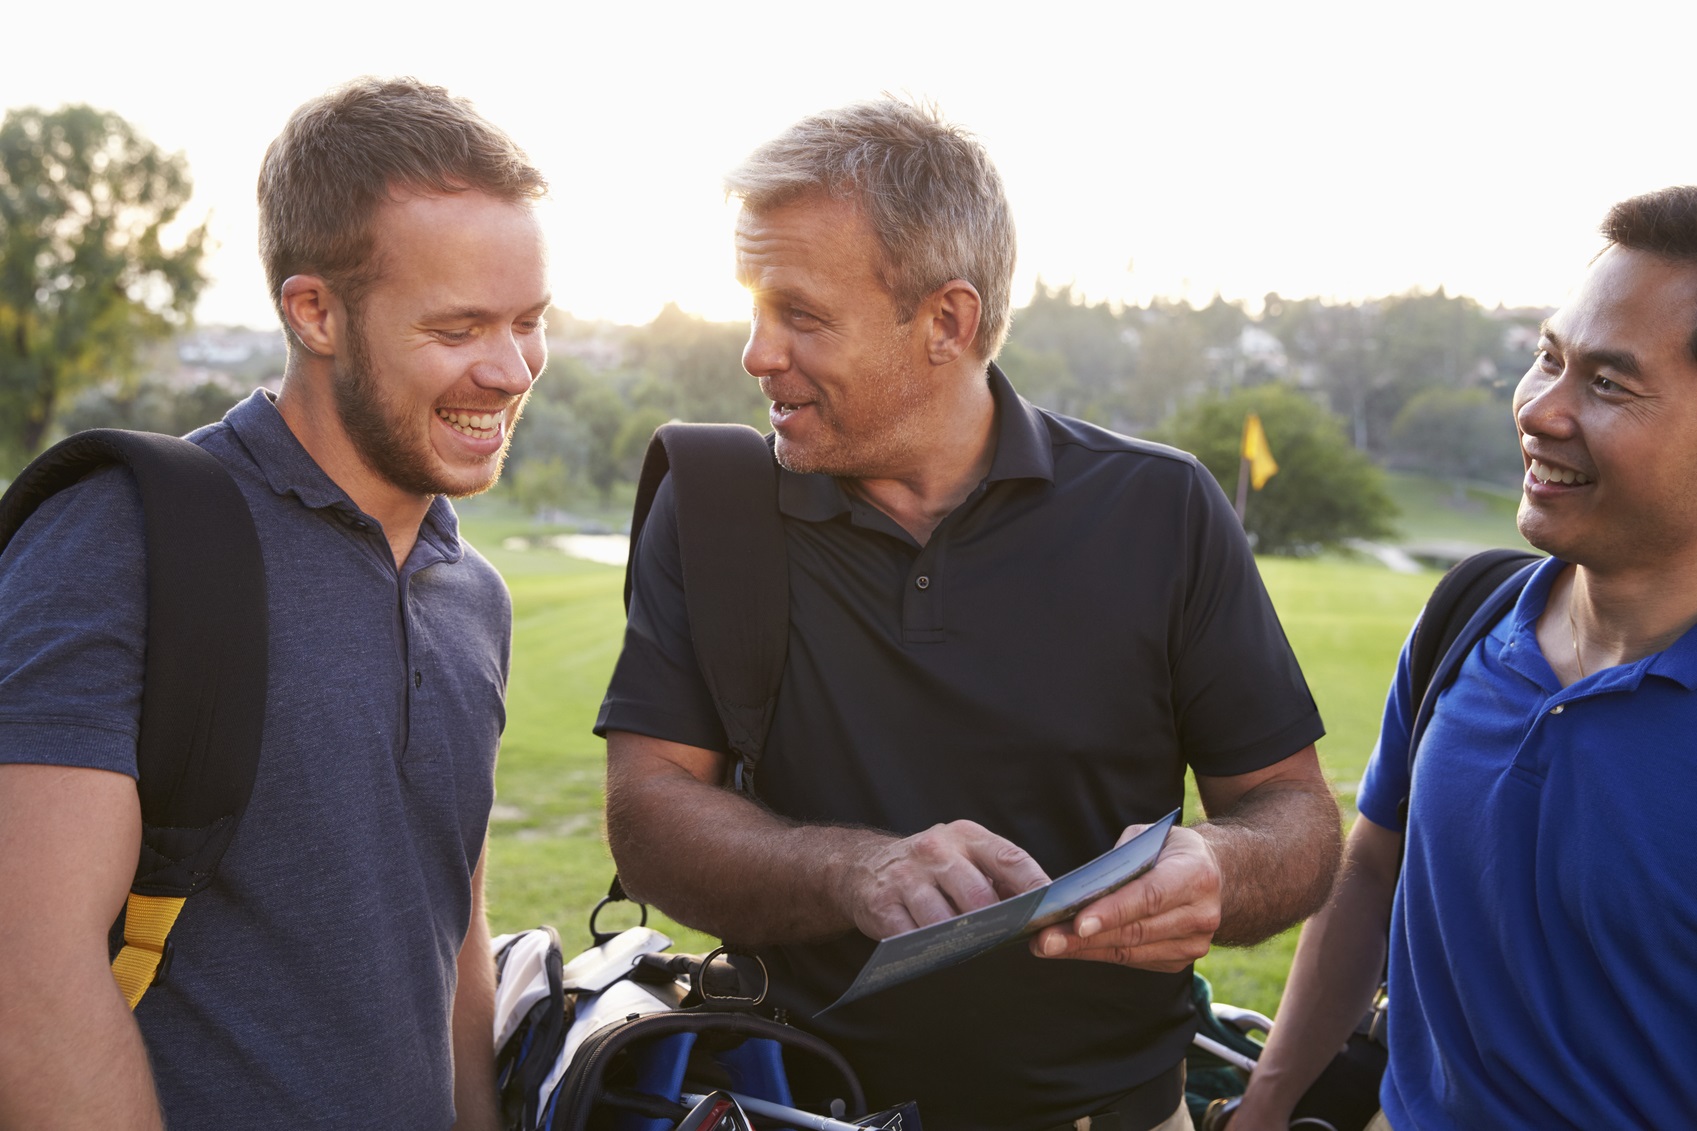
pixel 1087 623
pixel 1544 939
pixel 312 984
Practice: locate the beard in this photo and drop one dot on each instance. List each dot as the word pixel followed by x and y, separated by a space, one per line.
pixel 385 433
pixel 877 426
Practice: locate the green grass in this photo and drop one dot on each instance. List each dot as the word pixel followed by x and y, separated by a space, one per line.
pixel 548 860
pixel 1437 510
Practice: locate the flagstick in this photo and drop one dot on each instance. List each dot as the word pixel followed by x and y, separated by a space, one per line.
pixel 1242 487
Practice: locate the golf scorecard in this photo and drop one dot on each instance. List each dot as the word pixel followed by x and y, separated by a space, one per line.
pixel 912 954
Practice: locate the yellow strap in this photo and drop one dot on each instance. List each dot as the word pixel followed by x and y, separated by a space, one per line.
pixel 147 920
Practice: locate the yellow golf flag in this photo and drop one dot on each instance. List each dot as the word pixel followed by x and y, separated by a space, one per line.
pixel 1261 464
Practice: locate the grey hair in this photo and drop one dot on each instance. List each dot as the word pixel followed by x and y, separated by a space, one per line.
pixel 928 189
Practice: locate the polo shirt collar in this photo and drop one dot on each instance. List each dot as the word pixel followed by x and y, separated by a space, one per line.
pixel 1023 451
pixel 289 470
pixel 1676 662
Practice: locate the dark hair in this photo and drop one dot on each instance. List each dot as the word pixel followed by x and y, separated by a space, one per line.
pixel 343 154
pixel 1661 223
pixel 927 188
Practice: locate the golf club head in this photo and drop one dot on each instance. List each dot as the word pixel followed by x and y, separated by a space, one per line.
pixel 716 1111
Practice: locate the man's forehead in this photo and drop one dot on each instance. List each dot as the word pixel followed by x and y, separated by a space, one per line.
pixel 811 231
pixel 1629 301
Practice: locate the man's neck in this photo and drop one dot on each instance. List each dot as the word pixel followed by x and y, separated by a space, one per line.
pixel 1600 619
pixel 306 409
pixel 949 470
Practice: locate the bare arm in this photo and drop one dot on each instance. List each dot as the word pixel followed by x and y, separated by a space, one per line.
pixel 1265 858
pixel 720 863
pixel 70 1053
pixel 476 1106
pixel 1332 979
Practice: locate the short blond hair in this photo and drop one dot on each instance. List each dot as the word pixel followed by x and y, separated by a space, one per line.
pixel 927 188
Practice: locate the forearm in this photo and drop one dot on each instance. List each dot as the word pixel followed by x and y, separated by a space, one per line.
pixel 476 1104
pixel 70 1053
pixel 720 863
pixel 1278 848
pixel 1338 965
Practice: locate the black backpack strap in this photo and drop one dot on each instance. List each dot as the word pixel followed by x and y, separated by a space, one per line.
pixel 735 569
pixel 203 697
pixel 1464 605
pixel 1454 600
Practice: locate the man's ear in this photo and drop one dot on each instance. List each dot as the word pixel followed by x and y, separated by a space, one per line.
pixel 954 310
pixel 314 313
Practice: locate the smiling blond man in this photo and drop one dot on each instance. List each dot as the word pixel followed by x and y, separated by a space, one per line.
pixel 1543 930
pixel 337 972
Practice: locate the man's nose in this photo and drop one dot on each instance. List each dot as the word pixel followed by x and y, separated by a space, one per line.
pixel 767 351
pixel 510 366
pixel 1542 404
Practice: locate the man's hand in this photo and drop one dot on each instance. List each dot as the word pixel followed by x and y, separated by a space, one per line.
pixel 1163 920
pixel 946 870
pixel 715 861
pixel 1265 858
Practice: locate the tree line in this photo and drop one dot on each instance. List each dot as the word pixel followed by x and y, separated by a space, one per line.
pixel 90 300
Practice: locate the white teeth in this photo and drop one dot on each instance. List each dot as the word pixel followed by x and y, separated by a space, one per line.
pixel 478 425
pixel 1543 473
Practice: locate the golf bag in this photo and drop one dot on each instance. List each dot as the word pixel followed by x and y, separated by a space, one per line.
pixel 629 1036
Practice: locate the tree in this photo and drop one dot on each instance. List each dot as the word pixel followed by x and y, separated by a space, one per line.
pixel 85 276
pixel 1457 434
pixel 1325 491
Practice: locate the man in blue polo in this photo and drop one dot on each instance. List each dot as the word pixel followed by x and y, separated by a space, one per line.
pixel 337 971
pixel 1543 943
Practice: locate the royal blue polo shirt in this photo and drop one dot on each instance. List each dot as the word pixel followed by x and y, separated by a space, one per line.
pixel 1543 964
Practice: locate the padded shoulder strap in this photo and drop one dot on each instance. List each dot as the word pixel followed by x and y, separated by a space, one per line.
pixel 735 567
pixel 203 698
pixel 1466 602
pixel 1454 600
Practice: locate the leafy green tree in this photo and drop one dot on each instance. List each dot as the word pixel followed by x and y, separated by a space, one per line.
pixel 691 369
pixel 1457 434
pixel 151 405
pixel 1325 491
pixel 84 273
pixel 1070 355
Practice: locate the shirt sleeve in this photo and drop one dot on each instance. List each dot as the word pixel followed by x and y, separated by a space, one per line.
pixel 1384 787
pixel 1240 699
pixel 657 688
pixel 73 621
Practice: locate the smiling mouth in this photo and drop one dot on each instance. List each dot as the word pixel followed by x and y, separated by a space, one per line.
pixel 1544 473
pixel 477 425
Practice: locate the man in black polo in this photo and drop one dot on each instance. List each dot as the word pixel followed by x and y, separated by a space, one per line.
pixel 1010 633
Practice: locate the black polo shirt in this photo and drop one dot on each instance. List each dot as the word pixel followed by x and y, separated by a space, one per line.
pixel 1087 623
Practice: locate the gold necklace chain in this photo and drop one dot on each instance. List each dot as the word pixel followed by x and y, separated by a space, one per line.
pixel 1573 634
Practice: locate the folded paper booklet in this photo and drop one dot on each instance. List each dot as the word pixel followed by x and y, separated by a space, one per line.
pixel 904 957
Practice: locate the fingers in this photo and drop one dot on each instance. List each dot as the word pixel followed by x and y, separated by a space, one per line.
pixel 1163 920
pixel 934 875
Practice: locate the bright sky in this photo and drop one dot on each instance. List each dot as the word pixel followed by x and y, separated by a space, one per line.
pixel 1343 150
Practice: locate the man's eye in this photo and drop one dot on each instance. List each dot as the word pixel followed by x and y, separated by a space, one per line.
pixel 1604 385
pixel 454 336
